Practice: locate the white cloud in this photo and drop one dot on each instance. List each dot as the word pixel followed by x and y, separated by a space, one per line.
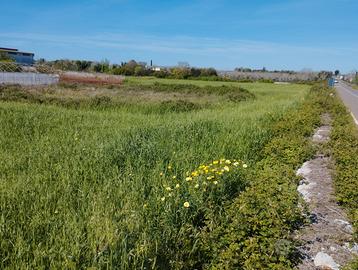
pixel 224 53
pixel 174 44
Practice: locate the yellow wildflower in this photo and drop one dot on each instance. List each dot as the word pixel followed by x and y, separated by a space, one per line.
pixel 174 177
pixel 215 182
pixel 226 168
pixel 161 174
pixel 194 174
pixel 197 186
pixel 169 189
pixel 227 161
pixel 169 167
pixel 236 163
pixel 210 177
pixel 244 166
pixel 215 162
pixel 186 204
pixel 188 178
pixel 177 186
pixel 163 199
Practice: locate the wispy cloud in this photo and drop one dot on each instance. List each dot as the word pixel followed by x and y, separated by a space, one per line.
pixel 221 53
pixel 174 44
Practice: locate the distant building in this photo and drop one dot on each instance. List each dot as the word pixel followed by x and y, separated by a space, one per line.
pixel 23 58
pixel 156 68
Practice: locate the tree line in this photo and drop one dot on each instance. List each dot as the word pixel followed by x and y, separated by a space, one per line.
pixel 131 68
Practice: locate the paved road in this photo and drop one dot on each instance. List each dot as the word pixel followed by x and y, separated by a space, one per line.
pixel 349 97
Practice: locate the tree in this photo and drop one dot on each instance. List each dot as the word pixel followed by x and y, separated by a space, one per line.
pixel 208 72
pixel 336 73
pixel 324 75
pixel 181 73
pixel 83 65
pixel 4 57
pixel 195 72
pixel 139 71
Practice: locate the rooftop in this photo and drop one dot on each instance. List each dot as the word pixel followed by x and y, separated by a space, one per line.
pixel 13 50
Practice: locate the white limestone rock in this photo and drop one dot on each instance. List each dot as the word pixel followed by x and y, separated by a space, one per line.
pixel 305 190
pixel 324 260
pixel 305 170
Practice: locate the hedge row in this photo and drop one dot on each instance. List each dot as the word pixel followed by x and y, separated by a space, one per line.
pixel 345 152
pixel 257 228
pixel 344 147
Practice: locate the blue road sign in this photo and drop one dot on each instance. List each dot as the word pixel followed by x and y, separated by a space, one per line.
pixel 331 82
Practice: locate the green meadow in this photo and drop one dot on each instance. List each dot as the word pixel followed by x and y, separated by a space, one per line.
pixel 101 176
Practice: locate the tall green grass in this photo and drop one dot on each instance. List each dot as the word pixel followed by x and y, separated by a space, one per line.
pixel 82 187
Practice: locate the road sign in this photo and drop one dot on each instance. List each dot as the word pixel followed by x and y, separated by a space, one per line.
pixel 331 82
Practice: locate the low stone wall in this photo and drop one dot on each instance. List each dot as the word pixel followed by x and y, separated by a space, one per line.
pixel 28 78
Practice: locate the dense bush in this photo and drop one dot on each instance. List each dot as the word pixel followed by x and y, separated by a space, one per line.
pixel 103 100
pixel 344 150
pixel 344 146
pixel 256 228
pixel 4 57
pixel 220 90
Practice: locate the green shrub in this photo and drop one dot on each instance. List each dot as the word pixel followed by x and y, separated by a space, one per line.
pixel 344 145
pixel 254 231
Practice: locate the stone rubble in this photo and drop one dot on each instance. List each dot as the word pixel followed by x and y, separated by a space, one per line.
pixel 324 260
pixel 327 240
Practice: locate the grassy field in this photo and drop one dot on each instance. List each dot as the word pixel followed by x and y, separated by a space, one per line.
pixel 113 186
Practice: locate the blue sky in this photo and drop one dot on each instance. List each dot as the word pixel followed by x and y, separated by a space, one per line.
pixel 276 34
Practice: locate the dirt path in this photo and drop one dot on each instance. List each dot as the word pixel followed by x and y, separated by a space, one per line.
pixel 327 240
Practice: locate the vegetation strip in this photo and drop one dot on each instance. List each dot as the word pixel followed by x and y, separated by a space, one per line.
pixel 344 147
pixel 137 198
pixel 255 232
pixel 83 188
pixel 330 233
pixel 163 97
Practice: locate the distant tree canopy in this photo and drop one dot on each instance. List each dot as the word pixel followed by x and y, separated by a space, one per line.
pixel 132 68
pixel 184 71
pixel 244 69
pixel 324 75
pixel 356 78
pixel 336 73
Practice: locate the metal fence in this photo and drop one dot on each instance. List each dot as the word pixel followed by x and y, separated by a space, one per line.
pixel 13 73
pixel 28 78
pixel 42 74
